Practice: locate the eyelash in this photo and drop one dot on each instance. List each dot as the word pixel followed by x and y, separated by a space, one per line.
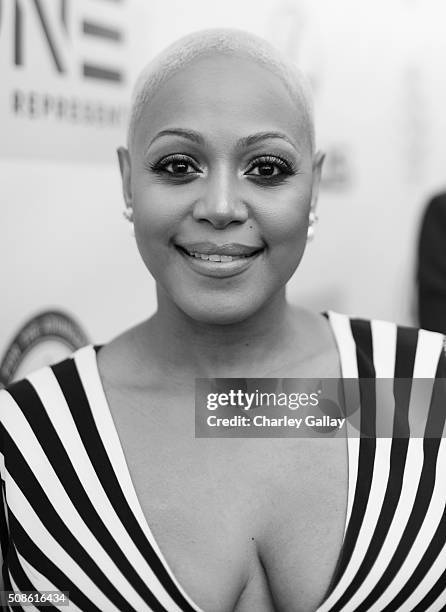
pixel 287 167
pixel 160 166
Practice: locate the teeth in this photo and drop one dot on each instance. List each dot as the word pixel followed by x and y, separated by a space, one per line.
pixel 216 257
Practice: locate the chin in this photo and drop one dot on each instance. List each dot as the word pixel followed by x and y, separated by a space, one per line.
pixel 224 312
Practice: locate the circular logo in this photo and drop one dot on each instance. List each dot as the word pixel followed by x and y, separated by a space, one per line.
pixel 44 339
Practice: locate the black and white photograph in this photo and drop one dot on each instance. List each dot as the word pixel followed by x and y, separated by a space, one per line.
pixel 223 307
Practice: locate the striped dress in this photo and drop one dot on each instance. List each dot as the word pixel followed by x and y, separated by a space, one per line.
pixel 72 520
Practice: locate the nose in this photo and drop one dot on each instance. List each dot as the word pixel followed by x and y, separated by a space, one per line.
pixel 220 203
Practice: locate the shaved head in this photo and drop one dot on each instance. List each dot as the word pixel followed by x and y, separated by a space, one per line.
pixel 220 41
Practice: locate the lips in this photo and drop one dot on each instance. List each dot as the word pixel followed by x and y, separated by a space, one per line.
pixel 210 251
pixel 219 261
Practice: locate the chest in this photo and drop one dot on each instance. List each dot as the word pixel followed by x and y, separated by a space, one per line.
pixel 242 523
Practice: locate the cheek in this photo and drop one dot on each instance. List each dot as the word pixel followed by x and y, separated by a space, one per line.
pixel 156 211
pixel 288 221
pixel 154 218
pixel 287 235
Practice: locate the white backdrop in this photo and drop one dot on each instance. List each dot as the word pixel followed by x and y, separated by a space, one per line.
pixel 380 93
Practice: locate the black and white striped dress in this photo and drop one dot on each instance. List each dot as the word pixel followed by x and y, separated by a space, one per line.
pixel 73 522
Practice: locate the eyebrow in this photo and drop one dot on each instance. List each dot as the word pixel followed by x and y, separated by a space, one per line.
pixel 245 141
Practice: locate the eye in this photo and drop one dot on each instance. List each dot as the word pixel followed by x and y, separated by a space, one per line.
pixel 269 166
pixel 176 165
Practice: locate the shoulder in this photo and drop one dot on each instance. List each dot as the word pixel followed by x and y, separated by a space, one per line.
pixel 18 395
pixel 417 352
pixel 24 384
pixel 388 349
pixel 33 397
pixel 413 361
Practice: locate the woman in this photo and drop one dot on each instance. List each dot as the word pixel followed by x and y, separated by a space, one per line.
pixel 109 494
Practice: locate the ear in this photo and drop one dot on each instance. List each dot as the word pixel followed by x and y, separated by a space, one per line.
pixel 126 175
pixel 318 161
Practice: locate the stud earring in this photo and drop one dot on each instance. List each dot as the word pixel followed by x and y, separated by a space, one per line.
pixel 128 214
pixel 312 221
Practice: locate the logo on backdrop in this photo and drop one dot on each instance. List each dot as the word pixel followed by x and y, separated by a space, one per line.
pixel 57 46
pixel 46 338
pixel 64 63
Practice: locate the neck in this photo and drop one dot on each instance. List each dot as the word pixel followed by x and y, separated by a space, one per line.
pixel 249 348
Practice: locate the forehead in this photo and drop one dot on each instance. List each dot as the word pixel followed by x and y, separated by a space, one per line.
pixel 227 95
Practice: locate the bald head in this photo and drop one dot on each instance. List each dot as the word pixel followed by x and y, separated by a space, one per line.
pixel 220 41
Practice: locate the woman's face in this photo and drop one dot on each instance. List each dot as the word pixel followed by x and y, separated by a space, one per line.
pixel 220 178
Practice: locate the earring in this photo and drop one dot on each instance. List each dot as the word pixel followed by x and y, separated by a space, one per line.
pixel 128 214
pixel 312 221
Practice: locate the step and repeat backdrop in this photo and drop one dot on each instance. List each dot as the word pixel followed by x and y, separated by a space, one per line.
pixel 71 273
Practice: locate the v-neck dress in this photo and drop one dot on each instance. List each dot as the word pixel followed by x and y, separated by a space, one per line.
pixel 72 521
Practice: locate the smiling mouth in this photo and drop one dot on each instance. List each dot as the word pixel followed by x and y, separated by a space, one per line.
pixel 218 257
pixel 217 261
